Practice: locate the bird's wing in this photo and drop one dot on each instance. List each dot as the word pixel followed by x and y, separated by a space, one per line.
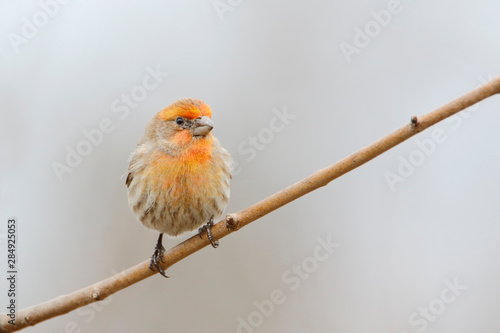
pixel 129 179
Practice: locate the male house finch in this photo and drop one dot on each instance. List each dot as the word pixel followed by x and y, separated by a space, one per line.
pixel 179 174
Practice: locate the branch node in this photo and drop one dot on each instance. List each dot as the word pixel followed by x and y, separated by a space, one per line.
pixel 96 295
pixel 232 222
pixel 414 122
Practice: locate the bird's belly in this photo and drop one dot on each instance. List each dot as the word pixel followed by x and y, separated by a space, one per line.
pixel 180 207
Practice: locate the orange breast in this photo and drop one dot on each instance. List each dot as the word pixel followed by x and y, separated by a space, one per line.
pixel 189 176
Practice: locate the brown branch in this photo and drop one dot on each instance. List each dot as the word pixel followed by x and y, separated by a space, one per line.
pixel 99 291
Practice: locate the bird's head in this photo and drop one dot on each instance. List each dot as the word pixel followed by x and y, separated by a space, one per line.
pixel 183 123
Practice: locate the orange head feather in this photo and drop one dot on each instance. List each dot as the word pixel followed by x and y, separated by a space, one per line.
pixel 188 108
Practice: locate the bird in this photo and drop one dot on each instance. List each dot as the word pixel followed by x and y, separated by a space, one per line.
pixel 179 174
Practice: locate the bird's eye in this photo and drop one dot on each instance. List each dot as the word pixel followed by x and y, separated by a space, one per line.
pixel 179 121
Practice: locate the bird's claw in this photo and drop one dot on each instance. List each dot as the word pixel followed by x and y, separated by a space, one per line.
pixel 208 228
pixel 157 257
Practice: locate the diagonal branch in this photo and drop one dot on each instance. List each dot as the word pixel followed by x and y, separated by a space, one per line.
pixel 99 291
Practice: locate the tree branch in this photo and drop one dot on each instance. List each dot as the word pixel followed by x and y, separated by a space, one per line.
pixel 99 291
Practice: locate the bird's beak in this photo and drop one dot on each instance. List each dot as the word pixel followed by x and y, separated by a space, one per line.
pixel 202 126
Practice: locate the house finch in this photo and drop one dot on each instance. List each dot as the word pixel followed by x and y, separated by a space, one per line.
pixel 179 174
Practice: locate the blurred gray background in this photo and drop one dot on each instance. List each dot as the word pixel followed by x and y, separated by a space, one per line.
pixel 417 253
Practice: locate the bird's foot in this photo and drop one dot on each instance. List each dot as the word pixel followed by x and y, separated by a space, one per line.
pixel 208 228
pixel 157 257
